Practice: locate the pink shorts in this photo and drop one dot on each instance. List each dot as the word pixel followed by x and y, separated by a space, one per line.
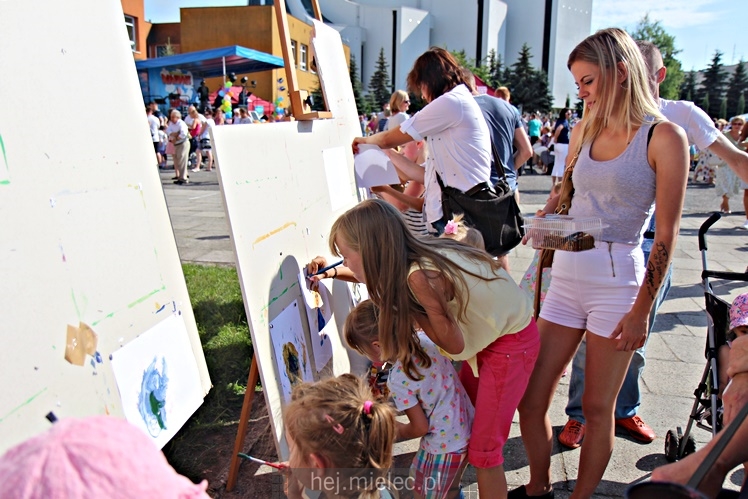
pixel 504 369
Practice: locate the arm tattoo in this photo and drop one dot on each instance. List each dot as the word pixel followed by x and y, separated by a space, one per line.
pixel 656 268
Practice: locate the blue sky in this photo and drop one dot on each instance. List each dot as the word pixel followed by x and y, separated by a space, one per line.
pixel 699 26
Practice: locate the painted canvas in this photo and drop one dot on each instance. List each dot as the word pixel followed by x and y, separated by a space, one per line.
pixel 290 347
pixel 158 379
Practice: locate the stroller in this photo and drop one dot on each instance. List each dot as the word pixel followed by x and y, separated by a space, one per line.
pixel 706 412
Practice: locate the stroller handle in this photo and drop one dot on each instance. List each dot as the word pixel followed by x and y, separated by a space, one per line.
pixel 705 227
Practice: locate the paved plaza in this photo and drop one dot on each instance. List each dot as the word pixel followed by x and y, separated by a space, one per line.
pixel 675 353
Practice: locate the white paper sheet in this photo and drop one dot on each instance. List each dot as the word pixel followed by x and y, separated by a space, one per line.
pixel 318 302
pixel 358 292
pixel 158 379
pixel 373 168
pixel 290 347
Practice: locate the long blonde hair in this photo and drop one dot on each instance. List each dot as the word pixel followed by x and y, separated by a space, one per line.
pixel 396 100
pixel 377 231
pixel 606 49
pixel 340 419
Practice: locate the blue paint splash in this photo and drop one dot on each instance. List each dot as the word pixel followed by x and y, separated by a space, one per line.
pixel 152 397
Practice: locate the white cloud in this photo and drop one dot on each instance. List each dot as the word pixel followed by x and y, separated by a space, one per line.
pixel 671 13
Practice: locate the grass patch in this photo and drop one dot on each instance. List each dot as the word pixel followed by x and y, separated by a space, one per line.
pixel 224 333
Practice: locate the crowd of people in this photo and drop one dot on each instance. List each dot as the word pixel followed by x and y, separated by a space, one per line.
pixel 462 339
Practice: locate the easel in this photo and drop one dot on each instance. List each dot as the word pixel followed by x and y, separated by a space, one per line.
pixel 302 112
pixel 300 102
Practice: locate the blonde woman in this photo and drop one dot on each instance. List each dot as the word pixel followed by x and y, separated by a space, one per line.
pixel 629 158
pixel 399 104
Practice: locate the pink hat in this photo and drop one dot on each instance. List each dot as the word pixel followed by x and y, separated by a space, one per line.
pixel 98 456
pixel 739 312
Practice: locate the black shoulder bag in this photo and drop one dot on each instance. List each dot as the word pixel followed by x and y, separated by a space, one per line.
pixel 493 211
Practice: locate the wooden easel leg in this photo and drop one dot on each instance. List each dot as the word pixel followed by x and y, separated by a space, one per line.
pixel 241 432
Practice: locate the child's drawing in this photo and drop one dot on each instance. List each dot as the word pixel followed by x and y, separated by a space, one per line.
pixel 318 301
pixel 152 399
pixel 158 379
pixel 291 354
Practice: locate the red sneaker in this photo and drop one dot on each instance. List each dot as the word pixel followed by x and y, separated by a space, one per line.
pixel 638 429
pixel 572 434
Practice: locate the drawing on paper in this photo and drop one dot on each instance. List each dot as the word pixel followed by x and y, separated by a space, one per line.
pixel 318 300
pixel 152 397
pixel 291 360
pixel 291 353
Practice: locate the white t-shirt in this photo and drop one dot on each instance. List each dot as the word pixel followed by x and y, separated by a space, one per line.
pixel 459 145
pixel 209 123
pixel 699 127
pixel 442 398
pixel 179 127
pixel 396 120
pixel 154 124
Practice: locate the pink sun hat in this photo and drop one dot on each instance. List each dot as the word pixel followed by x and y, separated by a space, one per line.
pixel 94 457
pixel 739 312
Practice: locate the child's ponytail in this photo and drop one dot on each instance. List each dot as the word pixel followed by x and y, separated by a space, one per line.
pixel 340 419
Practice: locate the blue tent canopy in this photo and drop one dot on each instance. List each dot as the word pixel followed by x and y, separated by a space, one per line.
pixel 216 62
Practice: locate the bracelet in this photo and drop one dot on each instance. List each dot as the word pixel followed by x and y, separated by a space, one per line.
pixel 336 272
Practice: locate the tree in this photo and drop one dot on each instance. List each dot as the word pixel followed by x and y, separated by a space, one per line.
pixel 713 84
pixel 741 105
pixel 688 87
pixel 736 89
pixel 494 67
pixel 704 104
pixel 356 84
pixel 579 107
pixel 379 85
pixel 654 32
pixel 723 108
pixel 522 79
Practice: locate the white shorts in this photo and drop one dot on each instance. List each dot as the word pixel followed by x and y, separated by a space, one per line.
pixel 560 151
pixel 594 289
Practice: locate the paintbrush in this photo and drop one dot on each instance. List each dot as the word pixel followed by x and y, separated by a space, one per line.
pixel 260 461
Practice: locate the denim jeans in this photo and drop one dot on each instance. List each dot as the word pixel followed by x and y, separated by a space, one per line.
pixel 629 398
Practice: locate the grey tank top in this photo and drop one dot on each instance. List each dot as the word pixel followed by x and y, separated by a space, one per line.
pixel 620 191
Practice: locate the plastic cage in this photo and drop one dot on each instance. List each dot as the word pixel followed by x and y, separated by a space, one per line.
pixel 562 232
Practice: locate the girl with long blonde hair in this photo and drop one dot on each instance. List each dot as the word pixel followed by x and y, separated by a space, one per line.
pixel 465 303
pixel 628 158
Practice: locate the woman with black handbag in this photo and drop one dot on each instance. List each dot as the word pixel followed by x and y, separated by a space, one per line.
pixel 456 132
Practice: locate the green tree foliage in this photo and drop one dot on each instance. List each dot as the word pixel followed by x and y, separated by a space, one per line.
pixel 356 84
pixel 723 108
pixel 688 87
pixel 579 107
pixel 529 87
pixel 736 89
pixel 741 105
pixel 704 103
pixel 654 32
pixel 494 67
pixel 379 85
pixel 713 84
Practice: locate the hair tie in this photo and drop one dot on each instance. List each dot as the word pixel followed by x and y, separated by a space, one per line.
pixel 337 427
pixel 451 228
pixel 367 407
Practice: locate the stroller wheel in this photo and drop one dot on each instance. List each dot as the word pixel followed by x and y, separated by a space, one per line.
pixel 671 446
pixel 690 446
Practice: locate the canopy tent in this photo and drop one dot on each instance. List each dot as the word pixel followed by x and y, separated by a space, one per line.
pixel 171 80
pixel 480 83
pixel 252 100
pixel 215 62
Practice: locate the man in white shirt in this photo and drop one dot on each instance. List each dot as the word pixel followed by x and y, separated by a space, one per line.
pixel 154 124
pixel 700 131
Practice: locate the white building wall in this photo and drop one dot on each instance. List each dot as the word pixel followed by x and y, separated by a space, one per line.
pixel 570 24
pixel 367 26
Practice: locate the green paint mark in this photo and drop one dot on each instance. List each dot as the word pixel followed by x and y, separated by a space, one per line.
pixel 21 406
pixel 5 160
pixel 280 271
pixel 108 316
pixel 75 303
pixel 277 297
pixel 4 182
pixel 144 298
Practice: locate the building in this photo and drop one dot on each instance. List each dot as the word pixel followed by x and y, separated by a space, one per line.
pixel 137 27
pixel 406 28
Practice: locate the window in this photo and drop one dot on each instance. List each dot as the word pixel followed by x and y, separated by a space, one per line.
pixel 130 25
pixel 293 52
pixel 302 62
